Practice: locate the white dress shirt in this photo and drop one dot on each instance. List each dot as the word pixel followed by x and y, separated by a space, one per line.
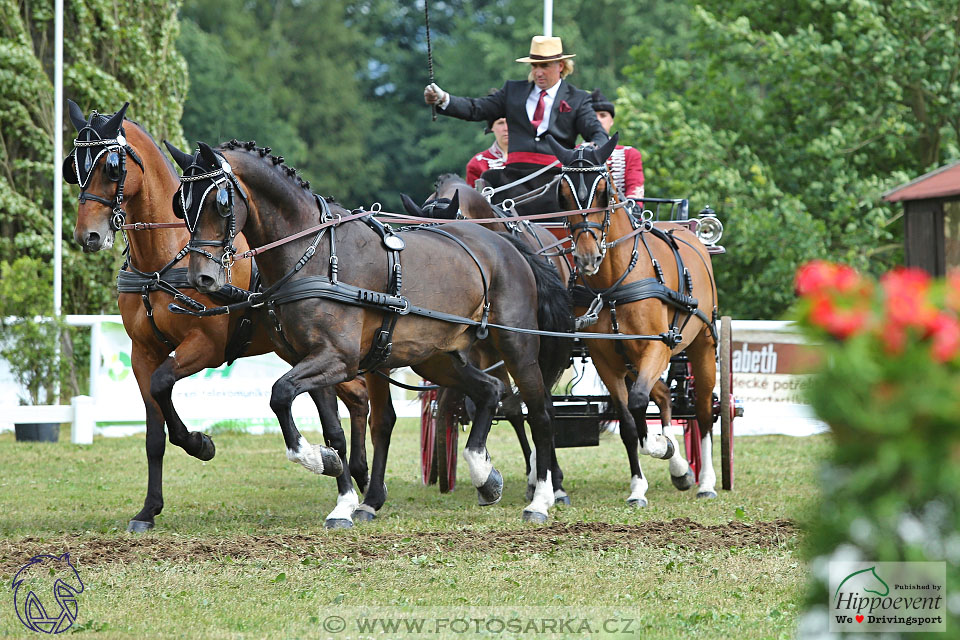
pixel 534 98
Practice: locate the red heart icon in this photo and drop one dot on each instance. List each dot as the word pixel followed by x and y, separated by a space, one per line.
pixel 859 618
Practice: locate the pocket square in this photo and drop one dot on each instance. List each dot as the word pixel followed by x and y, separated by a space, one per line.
pixel 564 107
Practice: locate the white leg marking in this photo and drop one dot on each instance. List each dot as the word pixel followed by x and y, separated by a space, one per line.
pixel 306 455
pixel 346 503
pixel 678 463
pixel 532 476
pixel 708 477
pixel 542 496
pixel 654 445
pixel 480 466
pixel 638 489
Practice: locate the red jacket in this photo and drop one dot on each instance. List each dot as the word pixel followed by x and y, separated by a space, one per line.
pixel 492 158
pixel 626 167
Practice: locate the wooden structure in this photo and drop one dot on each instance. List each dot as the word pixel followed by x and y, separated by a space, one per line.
pixel 931 219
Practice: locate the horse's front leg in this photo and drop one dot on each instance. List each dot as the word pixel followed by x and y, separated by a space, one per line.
pixel 192 355
pixel 315 372
pixel 354 396
pixel 144 362
pixel 382 420
pixel 680 473
pixel 342 515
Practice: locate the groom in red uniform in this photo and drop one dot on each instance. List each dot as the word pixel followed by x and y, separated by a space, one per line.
pixel 544 103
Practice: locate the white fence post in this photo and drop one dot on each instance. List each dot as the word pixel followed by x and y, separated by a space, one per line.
pixel 81 431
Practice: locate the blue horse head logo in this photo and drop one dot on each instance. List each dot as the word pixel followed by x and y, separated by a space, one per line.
pixel 33 586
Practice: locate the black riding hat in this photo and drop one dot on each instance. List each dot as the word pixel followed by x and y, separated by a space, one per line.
pixel 600 102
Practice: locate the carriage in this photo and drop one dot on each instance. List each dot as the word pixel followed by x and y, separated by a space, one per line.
pixel 580 418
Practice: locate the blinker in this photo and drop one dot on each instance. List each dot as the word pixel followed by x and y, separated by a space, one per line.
pixel 223 202
pixel 112 166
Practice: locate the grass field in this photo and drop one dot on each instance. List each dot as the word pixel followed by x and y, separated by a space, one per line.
pixel 240 549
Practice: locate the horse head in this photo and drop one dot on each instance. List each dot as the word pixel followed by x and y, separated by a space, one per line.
pixel 99 165
pixel 41 580
pixel 205 174
pixel 585 184
pixel 438 208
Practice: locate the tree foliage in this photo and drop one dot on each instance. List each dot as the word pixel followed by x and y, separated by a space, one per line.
pixel 792 121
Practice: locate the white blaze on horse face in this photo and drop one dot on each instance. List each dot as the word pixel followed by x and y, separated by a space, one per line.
pixel 542 496
pixel 307 455
pixel 678 464
pixel 346 503
pixel 480 466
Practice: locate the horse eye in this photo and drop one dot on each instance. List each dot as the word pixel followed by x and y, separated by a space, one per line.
pixel 112 166
pixel 223 203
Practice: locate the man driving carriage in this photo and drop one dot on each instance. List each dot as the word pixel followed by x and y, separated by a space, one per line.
pixel 544 103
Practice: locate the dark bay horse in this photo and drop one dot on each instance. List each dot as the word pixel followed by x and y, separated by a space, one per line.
pixel 654 280
pixel 124 175
pixel 450 188
pixel 338 293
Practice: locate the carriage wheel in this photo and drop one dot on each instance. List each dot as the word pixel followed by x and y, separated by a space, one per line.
pixel 446 447
pixel 428 436
pixel 726 404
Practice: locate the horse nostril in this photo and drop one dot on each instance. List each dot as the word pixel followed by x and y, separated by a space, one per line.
pixel 205 282
pixel 92 240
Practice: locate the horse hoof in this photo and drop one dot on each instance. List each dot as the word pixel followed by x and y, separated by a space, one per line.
pixel 139 526
pixel 337 523
pixel 637 503
pixel 561 498
pixel 364 513
pixel 332 465
pixel 708 495
pixel 683 482
pixel 490 491
pixel 534 516
pixel 670 450
pixel 531 489
pixel 207 448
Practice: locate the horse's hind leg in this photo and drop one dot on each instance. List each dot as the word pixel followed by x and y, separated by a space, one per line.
pixel 702 353
pixel 354 396
pixel 680 473
pixel 485 390
pixel 326 401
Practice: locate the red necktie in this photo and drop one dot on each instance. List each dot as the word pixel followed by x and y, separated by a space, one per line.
pixel 538 112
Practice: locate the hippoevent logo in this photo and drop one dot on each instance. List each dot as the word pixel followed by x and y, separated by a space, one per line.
pixel 888 596
pixel 45 593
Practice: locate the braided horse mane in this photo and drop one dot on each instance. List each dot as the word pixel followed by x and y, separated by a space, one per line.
pixel 278 161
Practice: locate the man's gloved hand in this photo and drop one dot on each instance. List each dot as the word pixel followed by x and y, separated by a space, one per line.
pixel 432 94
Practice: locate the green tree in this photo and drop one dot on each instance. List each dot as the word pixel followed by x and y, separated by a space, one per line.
pixel 113 52
pixel 283 73
pixel 819 107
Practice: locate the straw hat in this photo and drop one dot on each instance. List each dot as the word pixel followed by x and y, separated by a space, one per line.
pixel 546 49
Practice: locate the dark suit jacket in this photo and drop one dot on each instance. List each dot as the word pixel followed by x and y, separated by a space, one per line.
pixel 511 101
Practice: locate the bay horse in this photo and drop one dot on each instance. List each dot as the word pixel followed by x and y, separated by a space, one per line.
pixel 348 307
pixel 124 176
pixel 453 197
pixel 647 276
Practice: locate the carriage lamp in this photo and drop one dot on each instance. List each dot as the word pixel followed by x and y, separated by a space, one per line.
pixel 709 229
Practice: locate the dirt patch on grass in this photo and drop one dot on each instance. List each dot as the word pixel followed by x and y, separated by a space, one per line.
pixel 92 550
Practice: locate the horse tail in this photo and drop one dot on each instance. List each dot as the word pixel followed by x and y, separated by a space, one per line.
pixel 554 313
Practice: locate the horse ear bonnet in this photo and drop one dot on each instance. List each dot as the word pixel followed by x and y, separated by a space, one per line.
pixel 78 166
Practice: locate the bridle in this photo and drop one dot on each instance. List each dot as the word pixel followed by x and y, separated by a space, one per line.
pixel 189 207
pixel 583 198
pixel 87 142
